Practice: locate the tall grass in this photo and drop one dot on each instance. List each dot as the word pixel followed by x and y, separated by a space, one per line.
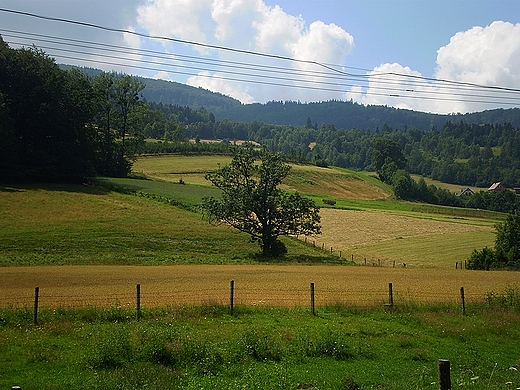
pixel 204 347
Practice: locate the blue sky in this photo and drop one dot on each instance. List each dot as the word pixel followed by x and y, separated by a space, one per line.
pixel 392 52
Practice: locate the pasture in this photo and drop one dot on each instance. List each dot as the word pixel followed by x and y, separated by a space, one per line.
pixel 87 247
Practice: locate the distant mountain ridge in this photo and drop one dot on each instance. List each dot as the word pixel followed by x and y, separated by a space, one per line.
pixel 350 115
pixel 342 114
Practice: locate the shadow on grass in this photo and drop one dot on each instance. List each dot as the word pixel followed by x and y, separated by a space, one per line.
pixel 301 259
pixel 86 188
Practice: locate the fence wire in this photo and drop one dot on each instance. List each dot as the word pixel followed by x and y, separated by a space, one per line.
pixel 248 297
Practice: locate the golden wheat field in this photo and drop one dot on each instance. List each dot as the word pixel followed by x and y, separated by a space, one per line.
pixel 255 285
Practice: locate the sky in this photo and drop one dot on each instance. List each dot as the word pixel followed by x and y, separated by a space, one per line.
pixel 441 56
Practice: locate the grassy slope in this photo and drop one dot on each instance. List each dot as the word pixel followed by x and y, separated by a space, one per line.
pixel 88 225
pixel 392 231
pixel 258 348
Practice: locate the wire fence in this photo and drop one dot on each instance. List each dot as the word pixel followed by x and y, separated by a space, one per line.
pixel 312 296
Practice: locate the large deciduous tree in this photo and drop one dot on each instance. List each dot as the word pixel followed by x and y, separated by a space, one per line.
pixel 251 201
pixel 120 114
pixel 44 113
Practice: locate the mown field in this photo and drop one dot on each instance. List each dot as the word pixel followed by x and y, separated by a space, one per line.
pixel 87 246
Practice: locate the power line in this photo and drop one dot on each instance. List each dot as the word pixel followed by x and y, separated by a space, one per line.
pixel 329 79
pixel 319 77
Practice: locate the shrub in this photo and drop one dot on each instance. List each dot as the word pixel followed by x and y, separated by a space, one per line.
pixel 482 260
pixel 507 299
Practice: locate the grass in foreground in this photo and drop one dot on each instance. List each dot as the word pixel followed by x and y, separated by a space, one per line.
pixel 204 347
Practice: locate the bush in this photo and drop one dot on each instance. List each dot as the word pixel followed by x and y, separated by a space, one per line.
pixel 483 260
pixel 507 299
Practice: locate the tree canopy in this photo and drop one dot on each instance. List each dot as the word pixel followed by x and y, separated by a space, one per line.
pixel 252 203
pixel 506 253
pixel 63 126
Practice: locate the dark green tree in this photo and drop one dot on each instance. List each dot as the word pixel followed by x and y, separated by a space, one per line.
pixel 44 111
pixel 506 253
pixel 404 186
pixel 128 107
pixel 387 158
pixel 121 121
pixel 507 242
pixel 252 203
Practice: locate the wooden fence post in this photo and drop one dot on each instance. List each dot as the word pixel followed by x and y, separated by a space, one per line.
pixel 462 301
pixel 312 299
pixel 36 298
pixel 390 295
pixel 444 374
pixel 138 302
pixel 231 297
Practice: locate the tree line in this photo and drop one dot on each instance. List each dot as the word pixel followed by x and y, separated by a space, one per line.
pixel 63 126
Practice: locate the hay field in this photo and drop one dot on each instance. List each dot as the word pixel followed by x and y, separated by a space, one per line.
pixel 255 285
pixel 419 240
pixel 175 167
pixel 307 179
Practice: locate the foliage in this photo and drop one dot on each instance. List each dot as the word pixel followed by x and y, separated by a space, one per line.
pixel 507 243
pixel 252 202
pixel 62 126
pixel 509 298
pixel 44 129
pixel 120 116
pixel 387 158
pixel 483 259
pixel 506 253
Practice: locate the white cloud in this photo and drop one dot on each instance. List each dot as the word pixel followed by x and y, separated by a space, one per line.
pixel 249 25
pixel 277 31
pixel 484 55
pixel 324 43
pixel 393 85
pixel 132 40
pixel 215 83
pixel 481 55
pixel 184 19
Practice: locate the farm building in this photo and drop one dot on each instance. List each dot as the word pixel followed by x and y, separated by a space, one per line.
pixel 496 186
pixel 465 192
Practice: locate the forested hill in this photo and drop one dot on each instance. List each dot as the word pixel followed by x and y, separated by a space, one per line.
pixel 342 114
pixel 172 93
pixel 349 115
pixel 169 92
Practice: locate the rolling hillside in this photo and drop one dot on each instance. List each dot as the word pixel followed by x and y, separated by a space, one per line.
pixel 342 114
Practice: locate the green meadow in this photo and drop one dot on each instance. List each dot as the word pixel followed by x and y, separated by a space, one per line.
pixel 152 219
